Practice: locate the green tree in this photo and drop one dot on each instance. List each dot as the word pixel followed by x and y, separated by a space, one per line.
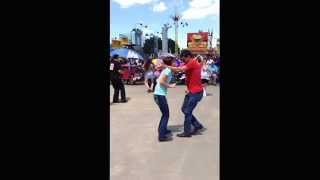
pixel 148 47
pixel 159 43
pixel 171 46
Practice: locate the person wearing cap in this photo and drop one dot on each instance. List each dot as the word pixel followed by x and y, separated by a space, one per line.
pixel 115 76
pixel 194 92
pixel 163 82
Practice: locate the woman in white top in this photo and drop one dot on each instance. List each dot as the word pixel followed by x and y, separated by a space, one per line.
pixel 205 76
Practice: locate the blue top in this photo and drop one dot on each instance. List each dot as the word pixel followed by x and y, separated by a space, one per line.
pixel 160 89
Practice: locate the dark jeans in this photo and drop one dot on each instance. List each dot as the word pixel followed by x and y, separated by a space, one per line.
pixel 161 101
pixel 154 83
pixel 118 86
pixel 190 102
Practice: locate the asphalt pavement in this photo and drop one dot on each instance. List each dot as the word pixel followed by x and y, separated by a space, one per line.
pixel 135 151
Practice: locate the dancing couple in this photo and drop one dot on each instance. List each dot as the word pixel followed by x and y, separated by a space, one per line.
pixel 194 93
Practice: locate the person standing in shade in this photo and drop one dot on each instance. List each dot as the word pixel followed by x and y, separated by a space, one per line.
pixel 160 93
pixel 115 76
pixel 194 92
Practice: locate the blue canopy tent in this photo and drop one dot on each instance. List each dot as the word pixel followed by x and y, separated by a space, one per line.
pixel 126 53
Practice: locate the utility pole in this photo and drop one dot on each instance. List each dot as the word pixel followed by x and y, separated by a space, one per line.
pixel 176 19
pixel 210 39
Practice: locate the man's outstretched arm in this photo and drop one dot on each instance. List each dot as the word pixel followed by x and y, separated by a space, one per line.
pixel 176 69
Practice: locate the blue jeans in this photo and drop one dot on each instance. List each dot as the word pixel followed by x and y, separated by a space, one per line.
pixel 190 102
pixel 161 101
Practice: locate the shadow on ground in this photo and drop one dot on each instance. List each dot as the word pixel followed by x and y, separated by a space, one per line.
pixel 128 99
pixel 175 128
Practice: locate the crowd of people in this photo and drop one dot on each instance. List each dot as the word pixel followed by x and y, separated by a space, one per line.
pixel 209 73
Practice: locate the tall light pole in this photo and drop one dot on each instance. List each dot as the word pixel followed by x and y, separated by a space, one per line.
pixel 176 19
pixel 210 39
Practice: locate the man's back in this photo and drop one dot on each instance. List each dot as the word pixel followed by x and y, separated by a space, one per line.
pixel 193 76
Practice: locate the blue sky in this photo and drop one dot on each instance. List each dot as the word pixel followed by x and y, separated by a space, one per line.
pixel 199 14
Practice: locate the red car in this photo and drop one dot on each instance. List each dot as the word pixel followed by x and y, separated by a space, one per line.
pixel 131 74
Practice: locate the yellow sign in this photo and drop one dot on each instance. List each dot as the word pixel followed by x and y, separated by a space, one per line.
pixel 120 43
pixel 116 44
pixel 124 41
pixel 198 41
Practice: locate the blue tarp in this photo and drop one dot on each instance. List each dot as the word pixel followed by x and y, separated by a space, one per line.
pixel 126 53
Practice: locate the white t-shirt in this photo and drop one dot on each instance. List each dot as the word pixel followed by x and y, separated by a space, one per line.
pixel 210 62
pixel 205 74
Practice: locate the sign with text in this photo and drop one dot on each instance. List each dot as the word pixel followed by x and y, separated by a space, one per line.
pixel 198 41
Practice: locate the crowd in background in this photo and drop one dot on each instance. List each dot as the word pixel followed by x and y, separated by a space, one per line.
pixel 132 70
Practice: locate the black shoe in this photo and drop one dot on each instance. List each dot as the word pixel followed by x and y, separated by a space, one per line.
pixel 162 139
pixel 168 133
pixel 123 101
pixel 198 131
pixel 184 135
pixel 115 101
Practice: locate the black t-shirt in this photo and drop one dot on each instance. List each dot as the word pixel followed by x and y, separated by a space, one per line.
pixel 115 66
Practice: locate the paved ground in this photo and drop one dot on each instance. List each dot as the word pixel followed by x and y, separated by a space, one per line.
pixel 137 155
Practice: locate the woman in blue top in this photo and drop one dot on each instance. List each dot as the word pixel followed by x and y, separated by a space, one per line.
pixel 163 82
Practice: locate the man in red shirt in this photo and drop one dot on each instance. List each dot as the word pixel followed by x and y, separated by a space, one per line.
pixel 194 91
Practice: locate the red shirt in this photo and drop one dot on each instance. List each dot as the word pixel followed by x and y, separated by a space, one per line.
pixel 193 76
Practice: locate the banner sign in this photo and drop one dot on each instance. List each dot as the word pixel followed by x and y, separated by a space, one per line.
pixel 198 41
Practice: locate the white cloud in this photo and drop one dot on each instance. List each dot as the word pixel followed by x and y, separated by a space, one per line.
pixel 199 9
pixel 128 3
pixel 160 7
